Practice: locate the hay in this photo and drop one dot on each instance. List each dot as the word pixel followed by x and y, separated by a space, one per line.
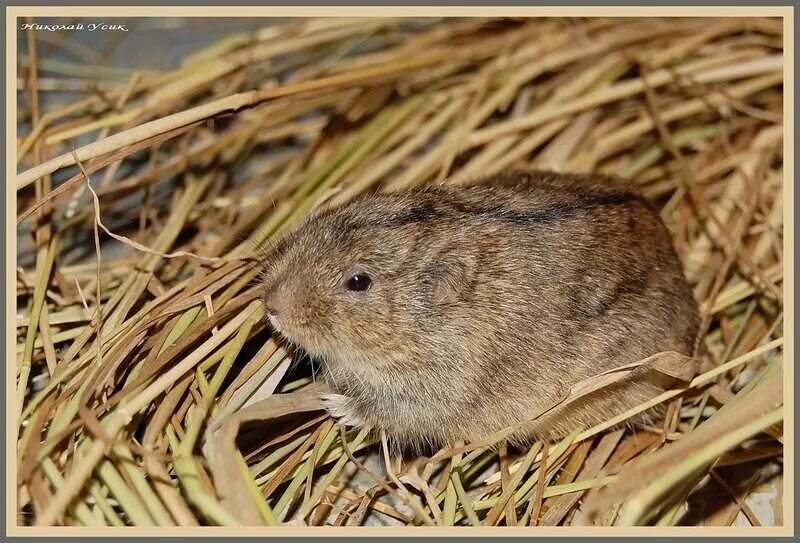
pixel 139 323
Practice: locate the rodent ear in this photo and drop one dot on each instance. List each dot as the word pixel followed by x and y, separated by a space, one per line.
pixel 453 277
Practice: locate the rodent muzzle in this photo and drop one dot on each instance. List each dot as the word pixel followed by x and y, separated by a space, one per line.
pixel 277 302
pixel 272 310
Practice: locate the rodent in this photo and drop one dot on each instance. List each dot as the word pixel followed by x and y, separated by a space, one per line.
pixel 447 313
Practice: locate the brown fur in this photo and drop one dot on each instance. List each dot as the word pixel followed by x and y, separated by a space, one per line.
pixel 487 303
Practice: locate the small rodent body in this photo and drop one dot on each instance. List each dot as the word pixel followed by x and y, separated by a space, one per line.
pixel 448 313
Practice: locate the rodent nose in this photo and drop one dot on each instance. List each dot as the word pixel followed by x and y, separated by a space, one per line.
pixel 272 307
pixel 275 302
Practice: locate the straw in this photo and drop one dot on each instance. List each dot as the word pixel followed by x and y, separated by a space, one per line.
pixel 141 336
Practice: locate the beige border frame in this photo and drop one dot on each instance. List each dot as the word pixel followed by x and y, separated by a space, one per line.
pixel 98 13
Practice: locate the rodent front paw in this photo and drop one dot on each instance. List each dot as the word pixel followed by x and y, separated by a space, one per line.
pixel 340 408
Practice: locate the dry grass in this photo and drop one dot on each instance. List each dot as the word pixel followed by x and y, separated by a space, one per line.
pixel 139 324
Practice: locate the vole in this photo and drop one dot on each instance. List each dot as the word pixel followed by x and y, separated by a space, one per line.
pixel 450 312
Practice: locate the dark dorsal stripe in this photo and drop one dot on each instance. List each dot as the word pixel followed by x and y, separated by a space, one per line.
pixel 559 211
pixel 555 212
pixel 423 213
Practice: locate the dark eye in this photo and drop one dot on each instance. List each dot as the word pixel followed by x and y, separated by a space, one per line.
pixel 358 282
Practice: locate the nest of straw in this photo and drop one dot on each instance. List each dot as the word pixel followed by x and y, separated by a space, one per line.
pixel 139 324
